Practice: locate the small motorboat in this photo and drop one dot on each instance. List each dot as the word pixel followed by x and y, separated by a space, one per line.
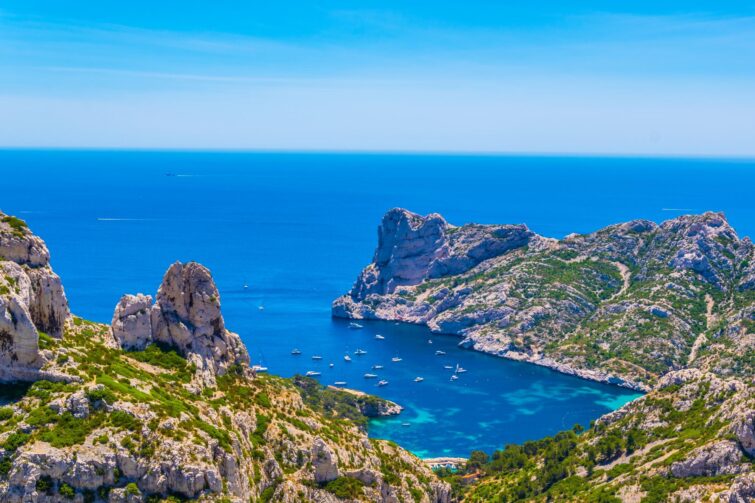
pixel 377 367
pixel 454 377
pixel 295 352
pixel 360 352
pixel 261 308
pixel 429 341
pixel 370 376
pixel 395 359
pixel 355 326
pixel 379 337
pixel 316 357
pixel 405 424
pixel 312 373
pixel 259 368
pixel 340 383
pixel 419 379
pixel 439 353
pixel 331 365
pixel 347 358
pixel 382 383
pixel 246 286
pixel 460 370
pixel 448 367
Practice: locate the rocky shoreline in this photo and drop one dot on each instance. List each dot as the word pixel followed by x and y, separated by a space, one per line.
pixel 622 305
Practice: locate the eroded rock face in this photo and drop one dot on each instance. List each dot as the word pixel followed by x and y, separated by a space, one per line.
pixel 32 300
pixel 324 462
pixel 412 248
pixel 186 315
pixel 720 458
pixel 132 321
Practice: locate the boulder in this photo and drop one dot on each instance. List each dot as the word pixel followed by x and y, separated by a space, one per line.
pixel 132 321
pixel 324 462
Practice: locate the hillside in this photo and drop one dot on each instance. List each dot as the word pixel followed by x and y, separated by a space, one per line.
pixel 624 305
pixel 164 405
pixel 691 439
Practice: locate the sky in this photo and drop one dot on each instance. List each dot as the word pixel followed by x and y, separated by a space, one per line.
pixel 576 77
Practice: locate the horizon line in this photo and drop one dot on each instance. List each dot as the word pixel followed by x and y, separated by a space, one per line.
pixel 387 152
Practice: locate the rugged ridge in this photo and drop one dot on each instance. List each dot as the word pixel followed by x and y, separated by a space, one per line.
pixel 624 304
pixel 160 406
pixel 32 303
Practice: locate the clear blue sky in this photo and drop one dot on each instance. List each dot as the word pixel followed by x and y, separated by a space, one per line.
pixel 621 77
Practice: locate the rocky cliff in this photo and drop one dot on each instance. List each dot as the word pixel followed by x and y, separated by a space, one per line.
pixel 33 304
pixel 162 406
pixel 625 304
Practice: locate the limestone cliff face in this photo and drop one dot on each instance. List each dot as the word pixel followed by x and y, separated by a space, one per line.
pixel 186 316
pixel 32 300
pixel 623 304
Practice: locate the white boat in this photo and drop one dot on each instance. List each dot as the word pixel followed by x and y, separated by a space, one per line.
pixel 377 367
pixel 382 383
pixel 316 357
pixel 419 379
pixel 460 370
pixel 246 286
pixel 429 341
pixel 370 376
pixel 405 424
pixel 439 353
pixel 261 308
pixel 355 326
pixel 379 337
pixel 454 377
pixel 359 352
pixel 312 373
pixel 259 368
pixel 347 358
pixel 448 367
pixel 340 383
pixel 395 359
pixel 295 352
pixel 331 365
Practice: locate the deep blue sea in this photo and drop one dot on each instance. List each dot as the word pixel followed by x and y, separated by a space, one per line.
pixel 298 228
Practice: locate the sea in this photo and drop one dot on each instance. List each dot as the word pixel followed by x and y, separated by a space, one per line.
pixel 284 234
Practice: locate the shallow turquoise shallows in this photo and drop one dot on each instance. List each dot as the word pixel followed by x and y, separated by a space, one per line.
pixel 297 229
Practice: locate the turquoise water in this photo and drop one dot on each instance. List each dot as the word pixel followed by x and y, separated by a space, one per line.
pixel 298 229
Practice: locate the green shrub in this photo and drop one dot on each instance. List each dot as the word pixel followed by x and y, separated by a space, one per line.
pixel 132 489
pixel 15 440
pixel 5 413
pixel 66 491
pixel 345 488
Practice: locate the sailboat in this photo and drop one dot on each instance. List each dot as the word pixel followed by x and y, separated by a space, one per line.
pixel 460 370
pixel 360 352
pixel 295 352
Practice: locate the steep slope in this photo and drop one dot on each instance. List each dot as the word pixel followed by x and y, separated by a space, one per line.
pixel 623 305
pixel 178 414
pixel 691 439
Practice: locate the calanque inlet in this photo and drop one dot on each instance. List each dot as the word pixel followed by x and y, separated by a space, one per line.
pixel 163 404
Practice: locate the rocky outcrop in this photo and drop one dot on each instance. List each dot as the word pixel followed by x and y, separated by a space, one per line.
pixel 324 462
pixel 132 321
pixel 32 300
pixel 720 458
pixel 186 316
pixel 412 248
pixel 622 305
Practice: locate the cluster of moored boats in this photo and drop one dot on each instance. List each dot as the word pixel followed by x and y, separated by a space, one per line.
pixel 370 375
